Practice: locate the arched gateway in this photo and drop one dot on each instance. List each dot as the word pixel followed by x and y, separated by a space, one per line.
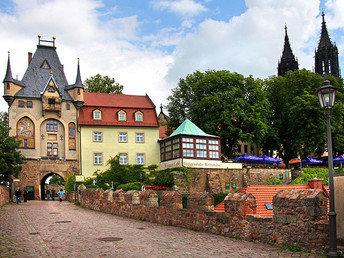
pixel 43 183
pixel 43 114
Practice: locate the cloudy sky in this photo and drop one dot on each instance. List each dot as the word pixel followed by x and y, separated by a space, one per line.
pixel 147 45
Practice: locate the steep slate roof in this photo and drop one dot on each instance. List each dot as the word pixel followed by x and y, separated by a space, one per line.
pixel 8 76
pixel 287 52
pixel 36 78
pixel 111 104
pixel 325 40
pixel 189 128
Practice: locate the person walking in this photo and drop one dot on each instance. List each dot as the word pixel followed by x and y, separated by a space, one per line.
pixel 18 194
pixel 48 194
pixel 25 193
pixel 60 196
pixel 53 194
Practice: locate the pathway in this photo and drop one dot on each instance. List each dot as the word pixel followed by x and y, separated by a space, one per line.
pixel 44 228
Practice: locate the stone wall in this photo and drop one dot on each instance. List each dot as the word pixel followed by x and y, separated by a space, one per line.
pixel 339 206
pixel 218 181
pixel 34 171
pixel 4 195
pixel 299 215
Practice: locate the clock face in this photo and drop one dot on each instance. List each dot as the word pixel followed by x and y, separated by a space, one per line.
pixel 25 128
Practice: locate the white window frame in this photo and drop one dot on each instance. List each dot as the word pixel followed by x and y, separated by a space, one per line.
pixel 97 136
pixel 140 137
pixel 122 136
pixel 138 116
pixel 122 113
pixel 97 115
pixel 140 158
pixel 97 158
pixel 123 158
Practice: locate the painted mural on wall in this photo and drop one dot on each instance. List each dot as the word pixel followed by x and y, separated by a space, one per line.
pixel 71 134
pixel 26 133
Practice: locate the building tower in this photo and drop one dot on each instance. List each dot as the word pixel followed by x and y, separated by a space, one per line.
pixel 43 115
pixel 326 56
pixel 288 61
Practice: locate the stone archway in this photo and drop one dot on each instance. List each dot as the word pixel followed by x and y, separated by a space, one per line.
pixel 42 183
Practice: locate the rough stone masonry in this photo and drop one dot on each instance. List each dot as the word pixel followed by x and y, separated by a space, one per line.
pixel 299 219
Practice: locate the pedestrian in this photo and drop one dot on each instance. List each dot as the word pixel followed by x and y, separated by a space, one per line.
pixel 60 196
pixel 25 193
pixel 53 194
pixel 48 194
pixel 18 194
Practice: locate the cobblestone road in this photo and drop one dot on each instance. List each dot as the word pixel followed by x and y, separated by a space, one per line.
pixel 44 228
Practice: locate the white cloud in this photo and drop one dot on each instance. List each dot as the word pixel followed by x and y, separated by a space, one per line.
pixel 187 8
pixel 103 45
pixel 250 43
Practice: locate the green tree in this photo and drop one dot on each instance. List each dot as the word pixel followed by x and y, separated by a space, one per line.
pixel 297 119
pixel 102 84
pixel 222 103
pixel 56 179
pixel 10 157
pixel 120 174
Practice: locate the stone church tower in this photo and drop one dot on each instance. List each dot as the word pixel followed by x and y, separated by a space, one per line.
pixel 288 61
pixel 43 114
pixel 326 56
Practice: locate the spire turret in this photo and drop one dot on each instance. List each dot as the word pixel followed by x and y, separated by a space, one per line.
pixel 8 76
pixel 326 56
pixel 78 81
pixel 288 61
pixel 325 40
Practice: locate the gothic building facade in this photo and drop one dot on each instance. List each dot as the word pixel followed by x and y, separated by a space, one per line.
pixel 43 114
pixel 326 55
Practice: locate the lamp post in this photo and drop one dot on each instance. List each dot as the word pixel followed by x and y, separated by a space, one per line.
pixel 326 96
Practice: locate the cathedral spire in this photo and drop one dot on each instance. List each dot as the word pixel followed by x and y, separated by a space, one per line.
pixel 326 56
pixel 288 61
pixel 325 40
pixel 8 76
pixel 287 53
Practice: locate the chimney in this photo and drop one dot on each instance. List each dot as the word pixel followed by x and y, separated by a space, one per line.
pixel 29 57
pixel 316 183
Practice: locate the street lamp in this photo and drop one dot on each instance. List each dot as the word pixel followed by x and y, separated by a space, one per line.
pixel 327 95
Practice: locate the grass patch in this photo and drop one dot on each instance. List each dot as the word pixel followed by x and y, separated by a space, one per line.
pixel 292 248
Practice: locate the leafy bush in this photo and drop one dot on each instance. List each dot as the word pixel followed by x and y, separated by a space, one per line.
pixel 310 173
pixel 69 184
pixel 131 186
pixel 120 174
pixel 163 178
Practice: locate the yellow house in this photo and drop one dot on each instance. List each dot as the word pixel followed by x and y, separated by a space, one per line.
pixel 117 124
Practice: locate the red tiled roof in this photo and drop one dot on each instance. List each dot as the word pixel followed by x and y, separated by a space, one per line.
pixel 264 194
pixel 117 100
pixel 162 131
pixel 110 104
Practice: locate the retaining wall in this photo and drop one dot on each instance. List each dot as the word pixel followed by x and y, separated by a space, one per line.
pixel 4 195
pixel 299 219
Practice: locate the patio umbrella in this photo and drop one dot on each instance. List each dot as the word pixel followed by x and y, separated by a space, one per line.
pixel 270 160
pixel 338 159
pixel 310 161
pixel 248 158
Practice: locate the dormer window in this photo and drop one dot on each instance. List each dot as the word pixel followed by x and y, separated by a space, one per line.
pixel 122 116
pixel 97 115
pixel 51 89
pixel 138 116
pixel 45 65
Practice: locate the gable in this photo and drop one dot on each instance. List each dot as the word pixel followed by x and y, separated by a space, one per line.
pixel 45 65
